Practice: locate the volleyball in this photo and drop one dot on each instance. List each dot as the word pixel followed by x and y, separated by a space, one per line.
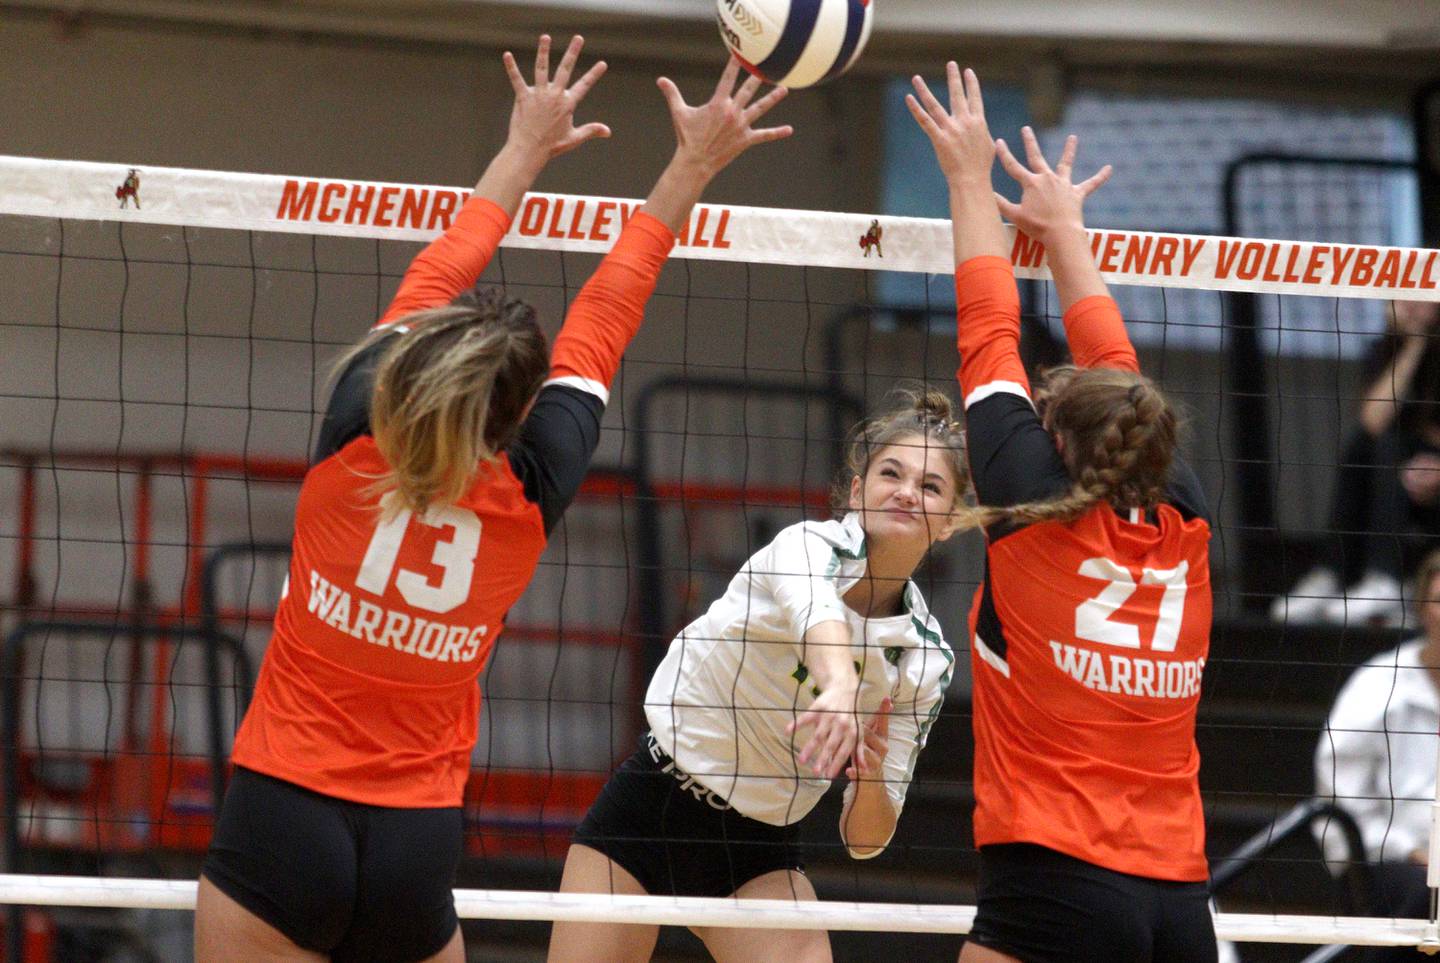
pixel 795 43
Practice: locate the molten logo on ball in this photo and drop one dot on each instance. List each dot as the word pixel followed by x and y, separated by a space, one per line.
pixel 797 43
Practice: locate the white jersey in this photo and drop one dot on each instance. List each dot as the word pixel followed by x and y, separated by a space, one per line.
pixel 735 677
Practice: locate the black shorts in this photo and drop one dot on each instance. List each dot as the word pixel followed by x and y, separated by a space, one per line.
pixel 353 881
pixel 678 838
pixel 1039 905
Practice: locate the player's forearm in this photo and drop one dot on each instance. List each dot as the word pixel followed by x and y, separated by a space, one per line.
pixel 510 174
pixel 1097 335
pixel 678 190
pixel 868 821
pixel 975 220
pixel 1379 407
pixel 1073 266
pixel 608 311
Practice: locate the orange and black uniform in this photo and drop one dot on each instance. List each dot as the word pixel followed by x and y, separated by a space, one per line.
pixel 367 705
pixel 1088 644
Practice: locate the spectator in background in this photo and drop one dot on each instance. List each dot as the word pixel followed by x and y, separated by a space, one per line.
pixel 1377 761
pixel 1387 488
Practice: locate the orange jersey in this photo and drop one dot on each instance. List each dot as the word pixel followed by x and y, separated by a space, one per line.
pixel 368 688
pixel 1089 638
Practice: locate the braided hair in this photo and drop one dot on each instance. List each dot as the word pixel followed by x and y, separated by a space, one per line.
pixel 1118 435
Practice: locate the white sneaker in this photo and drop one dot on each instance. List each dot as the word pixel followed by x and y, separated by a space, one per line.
pixel 1377 599
pixel 1307 602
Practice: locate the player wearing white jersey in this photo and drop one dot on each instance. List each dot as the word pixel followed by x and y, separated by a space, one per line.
pixel 820 657
pixel 721 702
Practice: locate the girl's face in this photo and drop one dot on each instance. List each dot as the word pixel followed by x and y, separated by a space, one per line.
pixel 907 492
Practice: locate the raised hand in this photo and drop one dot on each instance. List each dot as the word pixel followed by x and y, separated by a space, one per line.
pixel 711 135
pixel 874 743
pixel 707 138
pixel 960 136
pixel 543 120
pixel 1049 201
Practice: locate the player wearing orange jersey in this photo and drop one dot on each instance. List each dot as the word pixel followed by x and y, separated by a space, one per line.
pixel 451 445
pixel 1091 625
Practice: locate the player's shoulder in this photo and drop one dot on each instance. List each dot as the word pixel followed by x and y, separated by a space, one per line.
pixel 843 537
pixel 1404 656
pixel 833 549
pixel 1187 525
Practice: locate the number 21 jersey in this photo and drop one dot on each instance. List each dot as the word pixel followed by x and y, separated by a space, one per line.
pixel 1089 637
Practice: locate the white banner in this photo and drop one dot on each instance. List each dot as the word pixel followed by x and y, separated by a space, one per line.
pixel 717 232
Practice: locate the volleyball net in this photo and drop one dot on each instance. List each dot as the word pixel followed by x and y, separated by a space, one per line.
pixel 166 338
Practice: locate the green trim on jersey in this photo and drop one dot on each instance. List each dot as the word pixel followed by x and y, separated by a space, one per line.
pixel 923 730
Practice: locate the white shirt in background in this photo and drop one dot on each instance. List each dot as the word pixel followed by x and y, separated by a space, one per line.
pixel 735 677
pixel 1377 757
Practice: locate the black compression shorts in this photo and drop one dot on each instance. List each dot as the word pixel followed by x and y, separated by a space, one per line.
pixel 357 882
pixel 1039 906
pixel 678 838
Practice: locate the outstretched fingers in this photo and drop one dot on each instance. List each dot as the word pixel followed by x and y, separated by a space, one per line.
pixel 542 61
pixel 956 87
pixel 922 117
pixel 747 92
pixel 727 79
pixel 1008 208
pixel 1033 154
pixel 832 752
pixel 673 99
pixel 932 106
pixel 1011 163
pixel 512 70
pixel 973 98
pixel 767 134
pixel 567 62
pixel 763 106
pixel 1067 157
pixel 587 80
pixel 586 132
pixel 1091 184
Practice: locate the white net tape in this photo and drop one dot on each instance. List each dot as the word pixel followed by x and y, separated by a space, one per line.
pixel 757 235
pixel 747 913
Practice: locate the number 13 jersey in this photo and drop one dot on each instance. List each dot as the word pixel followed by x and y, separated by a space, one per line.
pixel 1089 637
pixel 368 689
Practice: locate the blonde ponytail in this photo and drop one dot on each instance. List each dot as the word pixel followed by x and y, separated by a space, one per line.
pixel 450 394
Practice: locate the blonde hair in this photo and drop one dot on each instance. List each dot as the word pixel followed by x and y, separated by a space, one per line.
pixel 1119 434
pixel 450 394
pixel 914 411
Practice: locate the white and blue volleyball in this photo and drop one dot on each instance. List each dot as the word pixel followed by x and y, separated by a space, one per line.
pixel 795 43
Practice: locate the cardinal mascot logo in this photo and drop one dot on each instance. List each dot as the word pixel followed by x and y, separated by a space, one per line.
pixel 129 190
pixel 871 239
